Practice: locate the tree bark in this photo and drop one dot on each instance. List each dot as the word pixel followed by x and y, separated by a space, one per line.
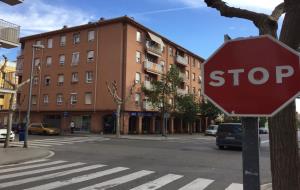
pixel 10 117
pixel 283 135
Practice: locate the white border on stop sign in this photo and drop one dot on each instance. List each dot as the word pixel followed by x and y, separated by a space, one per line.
pixel 249 115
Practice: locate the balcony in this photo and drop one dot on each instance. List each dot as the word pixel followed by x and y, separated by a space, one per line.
pixel 154 49
pixel 182 60
pixel 12 2
pixel 182 91
pixel 9 34
pixel 183 76
pixel 148 85
pixel 153 67
pixel 148 106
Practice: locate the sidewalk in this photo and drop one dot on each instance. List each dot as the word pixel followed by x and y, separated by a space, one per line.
pixel 15 155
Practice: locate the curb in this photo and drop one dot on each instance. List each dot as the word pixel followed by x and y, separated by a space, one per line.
pixel 46 155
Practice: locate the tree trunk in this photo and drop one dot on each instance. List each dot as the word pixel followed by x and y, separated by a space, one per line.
pixel 10 117
pixel 284 152
pixel 118 120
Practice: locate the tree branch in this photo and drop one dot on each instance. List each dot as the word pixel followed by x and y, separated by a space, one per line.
pixel 278 11
pixel 22 84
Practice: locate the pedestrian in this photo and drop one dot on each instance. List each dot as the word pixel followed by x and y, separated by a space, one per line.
pixel 72 126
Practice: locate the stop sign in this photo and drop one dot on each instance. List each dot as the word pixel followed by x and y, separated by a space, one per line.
pixel 252 76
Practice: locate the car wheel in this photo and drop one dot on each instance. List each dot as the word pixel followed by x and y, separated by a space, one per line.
pixel 221 147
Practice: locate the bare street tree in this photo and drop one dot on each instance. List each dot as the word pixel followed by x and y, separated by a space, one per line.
pixel 284 153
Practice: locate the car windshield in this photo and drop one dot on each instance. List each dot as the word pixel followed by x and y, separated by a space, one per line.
pixel 212 127
pixel 231 128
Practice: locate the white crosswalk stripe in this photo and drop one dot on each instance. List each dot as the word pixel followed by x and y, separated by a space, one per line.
pixel 61 174
pixel 31 166
pixel 58 142
pixel 158 183
pixel 198 184
pixel 235 186
pixel 118 181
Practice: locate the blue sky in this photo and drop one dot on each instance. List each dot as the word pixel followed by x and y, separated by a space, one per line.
pixel 187 22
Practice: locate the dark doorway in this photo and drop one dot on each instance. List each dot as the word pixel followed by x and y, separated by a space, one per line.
pixel 132 125
pixel 109 124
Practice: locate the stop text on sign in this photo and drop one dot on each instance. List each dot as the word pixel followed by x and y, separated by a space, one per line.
pixel 218 76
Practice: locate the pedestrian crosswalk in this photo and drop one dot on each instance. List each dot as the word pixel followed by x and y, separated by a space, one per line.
pixel 46 143
pixel 51 174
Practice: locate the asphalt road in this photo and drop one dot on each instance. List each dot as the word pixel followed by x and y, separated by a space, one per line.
pixel 156 162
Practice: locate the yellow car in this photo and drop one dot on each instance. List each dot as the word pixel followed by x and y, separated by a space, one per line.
pixel 43 129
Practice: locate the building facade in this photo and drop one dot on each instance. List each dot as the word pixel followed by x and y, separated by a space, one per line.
pixel 71 71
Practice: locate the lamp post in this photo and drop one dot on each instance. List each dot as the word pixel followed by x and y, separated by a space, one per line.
pixel 34 47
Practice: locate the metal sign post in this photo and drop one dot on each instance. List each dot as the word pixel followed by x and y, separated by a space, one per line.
pixel 251 177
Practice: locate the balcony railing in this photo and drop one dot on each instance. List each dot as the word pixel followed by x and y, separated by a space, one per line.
pixel 19 67
pixel 12 2
pixel 148 85
pixel 182 60
pixel 182 91
pixel 153 67
pixel 154 49
pixel 9 34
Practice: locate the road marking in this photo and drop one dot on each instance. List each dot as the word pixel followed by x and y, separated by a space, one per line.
pixel 40 170
pixel 158 183
pixel 32 166
pixel 262 142
pixel 198 184
pixel 77 179
pixel 235 186
pixel 49 176
pixel 117 181
pixel 24 163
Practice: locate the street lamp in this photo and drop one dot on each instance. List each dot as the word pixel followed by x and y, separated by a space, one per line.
pixel 34 47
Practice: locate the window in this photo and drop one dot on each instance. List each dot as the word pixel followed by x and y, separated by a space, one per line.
pixel 73 98
pixel 199 92
pixel 193 62
pixel 75 58
pixel 37 62
pixel 62 60
pixel 193 76
pixel 88 98
pixel 138 36
pixel 46 98
pixel 48 61
pixel 35 80
pixel 62 41
pixel 47 80
pixel 91 35
pixel 60 79
pixel 138 57
pixel 38 42
pixel 187 88
pixel 50 43
pixel 74 77
pixel 137 99
pixel 170 51
pixel 198 63
pixel 59 99
pixel 90 56
pixel 33 99
pixel 187 75
pixel 194 90
pixel 137 78
pixel 89 77
pixel 76 38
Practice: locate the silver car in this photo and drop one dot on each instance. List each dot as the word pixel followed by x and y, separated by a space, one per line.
pixel 211 130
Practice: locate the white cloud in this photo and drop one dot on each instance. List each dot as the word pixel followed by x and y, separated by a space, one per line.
pixel 191 3
pixel 38 16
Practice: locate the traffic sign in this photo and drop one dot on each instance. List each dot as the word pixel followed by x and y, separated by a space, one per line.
pixel 251 77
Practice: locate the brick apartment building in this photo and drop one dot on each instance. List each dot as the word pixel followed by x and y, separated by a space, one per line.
pixel 70 75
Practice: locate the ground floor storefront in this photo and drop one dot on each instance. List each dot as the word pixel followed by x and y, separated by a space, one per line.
pixel 104 122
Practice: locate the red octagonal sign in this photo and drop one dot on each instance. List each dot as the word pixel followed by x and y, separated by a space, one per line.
pixel 252 76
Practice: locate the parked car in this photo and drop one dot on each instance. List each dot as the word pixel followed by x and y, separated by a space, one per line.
pixel 263 130
pixel 211 130
pixel 3 133
pixel 229 135
pixel 43 129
